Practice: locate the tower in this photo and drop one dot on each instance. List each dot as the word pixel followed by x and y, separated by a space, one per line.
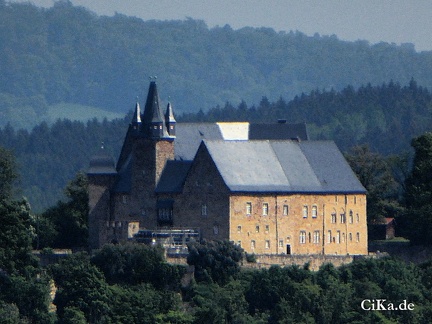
pixel 152 148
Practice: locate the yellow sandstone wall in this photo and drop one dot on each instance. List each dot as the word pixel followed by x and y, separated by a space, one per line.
pixel 299 232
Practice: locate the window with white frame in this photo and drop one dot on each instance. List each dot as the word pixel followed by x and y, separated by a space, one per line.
pixel 302 237
pixel 314 211
pixel 253 244
pixel 305 211
pixel 329 237
pixel 265 209
pixel 267 244
pixel 248 208
pixel 285 210
pixel 316 237
pixel 342 218
pixel 333 218
pixel 281 243
pixel 338 236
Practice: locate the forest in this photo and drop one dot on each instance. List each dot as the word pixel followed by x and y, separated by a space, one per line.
pixel 385 118
pixel 69 55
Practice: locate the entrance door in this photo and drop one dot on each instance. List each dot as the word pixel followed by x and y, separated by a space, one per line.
pixel 288 249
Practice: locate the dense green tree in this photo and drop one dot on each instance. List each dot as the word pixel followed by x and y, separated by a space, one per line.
pixel 134 264
pixel 375 173
pixel 82 286
pixel 215 261
pixel 8 173
pixel 65 225
pixel 16 235
pixel 418 198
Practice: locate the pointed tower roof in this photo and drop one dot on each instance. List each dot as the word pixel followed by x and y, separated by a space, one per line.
pixel 169 115
pixel 152 110
pixel 136 119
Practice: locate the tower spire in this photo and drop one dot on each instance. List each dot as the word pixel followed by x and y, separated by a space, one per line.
pixel 153 118
pixel 170 120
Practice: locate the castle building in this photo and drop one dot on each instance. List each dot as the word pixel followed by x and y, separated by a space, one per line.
pixel 266 187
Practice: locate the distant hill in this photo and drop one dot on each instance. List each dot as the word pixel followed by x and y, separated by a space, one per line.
pixel 67 54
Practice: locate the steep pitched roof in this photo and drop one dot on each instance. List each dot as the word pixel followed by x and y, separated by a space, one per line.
pixel 283 166
pixel 190 135
pixel 173 176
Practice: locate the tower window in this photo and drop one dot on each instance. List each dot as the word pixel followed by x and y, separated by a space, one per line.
pixel 305 211
pixel 314 211
pixel 204 210
pixel 285 210
pixel 302 237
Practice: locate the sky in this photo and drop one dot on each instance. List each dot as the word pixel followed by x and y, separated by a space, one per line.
pixel 391 21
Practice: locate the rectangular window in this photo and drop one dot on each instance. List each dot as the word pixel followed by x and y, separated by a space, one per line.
pixel 338 237
pixel 239 229
pixel 215 230
pixel 314 211
pixel 204 210
pixel 302 237
pixel 267 228
pixel 124 199
pixel 316 237
pixel 305 211
pixel 252 244
pixel 265 209
pixel 351 218
pixel 257 228
pixel 281 243
pixel 358 237
pixel 358 218
pixel 342 218
pixel 333 218
pixel 350 237
pixel 248 208
pixel 285 210
pixel 267 244
pixel 329 237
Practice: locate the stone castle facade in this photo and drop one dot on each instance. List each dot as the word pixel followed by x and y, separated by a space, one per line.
pixel 266 187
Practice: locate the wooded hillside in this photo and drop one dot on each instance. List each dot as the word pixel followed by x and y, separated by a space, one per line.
pixel 69 54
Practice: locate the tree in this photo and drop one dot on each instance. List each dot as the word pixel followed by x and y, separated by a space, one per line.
pixel 81 286
pixel 375 174
pixel 65 225
pixel 418 197
pixel 215 261
pixel 7 173
pixel 16 235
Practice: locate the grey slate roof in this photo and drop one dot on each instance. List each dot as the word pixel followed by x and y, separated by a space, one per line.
pixel 102 163
pixel 173 176
pixel 278 131
pixel 189 137
pixel 283 166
